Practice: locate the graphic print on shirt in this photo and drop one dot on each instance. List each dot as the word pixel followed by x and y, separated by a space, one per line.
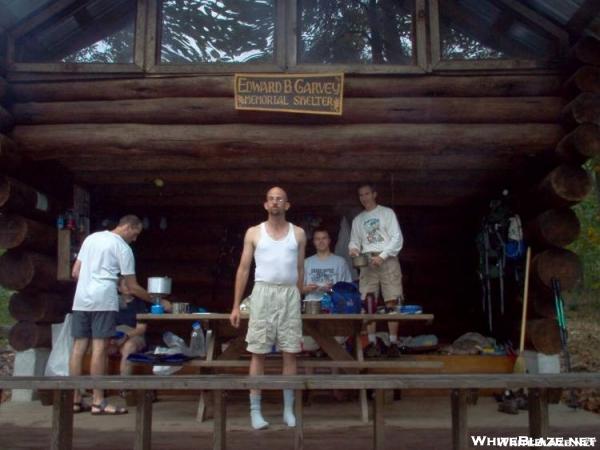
pixel 372 228
pixel 322 276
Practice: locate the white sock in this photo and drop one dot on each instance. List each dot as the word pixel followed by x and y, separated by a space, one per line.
pixel 288 408
pixel 258 421
pixel 372 339
pixel 393 339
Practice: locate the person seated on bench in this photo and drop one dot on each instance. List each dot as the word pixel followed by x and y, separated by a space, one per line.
pixel 132 340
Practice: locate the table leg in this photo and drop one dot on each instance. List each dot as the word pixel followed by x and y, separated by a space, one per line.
pixel 364 404
pixel 205 396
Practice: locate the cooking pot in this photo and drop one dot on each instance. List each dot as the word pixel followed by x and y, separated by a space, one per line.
pixel 159 285
pixel 361 260
pixel 312 306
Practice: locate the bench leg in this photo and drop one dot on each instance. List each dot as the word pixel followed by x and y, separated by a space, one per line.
pixel 538 413
pixel 362 394
pixel 378 421
pixel 143 420
pixel 219 421
pixel 62 420
pixel 460 434
pixel 299 413
pixel 204 404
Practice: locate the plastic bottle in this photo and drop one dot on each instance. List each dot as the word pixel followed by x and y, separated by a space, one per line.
pixel 197 343
pixel 174 341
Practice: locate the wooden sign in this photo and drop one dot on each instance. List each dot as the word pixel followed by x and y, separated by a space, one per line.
pixel 296 93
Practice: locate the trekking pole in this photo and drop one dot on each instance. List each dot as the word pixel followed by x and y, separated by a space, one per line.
pixel 562 323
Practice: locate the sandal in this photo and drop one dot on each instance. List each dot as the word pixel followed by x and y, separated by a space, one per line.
pixel 102 411
pixel 79 407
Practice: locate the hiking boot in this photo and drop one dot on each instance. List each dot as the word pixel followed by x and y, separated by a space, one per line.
pixel 372 351
pixel 393 351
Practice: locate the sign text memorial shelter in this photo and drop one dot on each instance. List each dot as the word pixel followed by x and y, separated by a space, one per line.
pixel 297 93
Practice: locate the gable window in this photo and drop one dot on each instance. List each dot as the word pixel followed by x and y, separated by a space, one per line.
pixel 217 31
pixel 99 31
pixel 356 32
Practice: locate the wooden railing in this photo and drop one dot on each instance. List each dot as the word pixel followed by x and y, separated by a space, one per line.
pixel 460 385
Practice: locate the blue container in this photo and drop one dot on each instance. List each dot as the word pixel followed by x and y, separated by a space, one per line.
pixel 411 309
pixel 157 309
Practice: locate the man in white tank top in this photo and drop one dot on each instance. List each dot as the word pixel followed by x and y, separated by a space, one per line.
pixel 278 248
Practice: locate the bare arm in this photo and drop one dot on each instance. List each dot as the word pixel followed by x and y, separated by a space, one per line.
pixel 241 276
pixel 135 289
pixel 76 269
pixel 139 330
pixel 301 238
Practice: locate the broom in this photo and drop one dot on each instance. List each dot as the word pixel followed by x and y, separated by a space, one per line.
pixel 519 366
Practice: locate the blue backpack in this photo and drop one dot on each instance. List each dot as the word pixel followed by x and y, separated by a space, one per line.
pixel 345 298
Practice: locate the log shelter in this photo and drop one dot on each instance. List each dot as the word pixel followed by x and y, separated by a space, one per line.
pixel 446 104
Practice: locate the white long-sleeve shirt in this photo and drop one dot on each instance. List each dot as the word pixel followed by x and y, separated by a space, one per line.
pixel 377 231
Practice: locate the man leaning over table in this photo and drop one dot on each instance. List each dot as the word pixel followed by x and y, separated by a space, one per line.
pixel 278 249
pixel 376 232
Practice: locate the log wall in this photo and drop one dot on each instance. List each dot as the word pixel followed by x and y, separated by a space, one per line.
pixel 439 146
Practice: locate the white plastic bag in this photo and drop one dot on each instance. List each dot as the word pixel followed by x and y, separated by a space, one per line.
pixel 165 370
pixel 58 361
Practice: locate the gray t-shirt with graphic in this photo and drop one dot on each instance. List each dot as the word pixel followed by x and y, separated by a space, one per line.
pixel 325 271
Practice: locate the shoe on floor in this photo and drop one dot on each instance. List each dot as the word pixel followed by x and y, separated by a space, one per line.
pixel 372 351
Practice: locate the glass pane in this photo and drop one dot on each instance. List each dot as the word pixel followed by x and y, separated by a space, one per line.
pixel 478 29
pixel 100 31
pixel 224 31
pixel 356 32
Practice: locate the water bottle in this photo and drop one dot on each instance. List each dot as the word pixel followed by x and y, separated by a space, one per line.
pixel 197 344
pixel 174 341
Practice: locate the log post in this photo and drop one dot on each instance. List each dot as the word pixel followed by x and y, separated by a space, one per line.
pixel 544 335
pixel 37 306
pixel 585 79
pixel 10 158
pixel 586 51
pixel 543 304
pixel 585 108
pixel 18 231
pixel 6 120
pixel 581 144
pixel 558 263
pixel 25 335
pixel 553 228
pixel 19 197
pixel 564 186
pixel 20 269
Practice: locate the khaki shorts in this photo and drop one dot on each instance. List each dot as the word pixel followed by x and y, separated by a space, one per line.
pixel 274 319
pixel 388 276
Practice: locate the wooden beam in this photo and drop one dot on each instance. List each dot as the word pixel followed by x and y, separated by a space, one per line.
pixel 583 16
pixel 62 420
pixel 10 157
pixel 222 86
pixel 538 413
pixel 586 51
pixel 219 421
pixel 379 420
pixel 299 413
pixel 219 141
pixel 143 420
pixel 536 19
pixel 585 108
pixel 6 120
pixel 460 431
pixel 39 17
pixel 585 79
pixel 219 110
pixel 581 144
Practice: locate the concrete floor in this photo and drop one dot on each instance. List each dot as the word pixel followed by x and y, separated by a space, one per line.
pixel 413 422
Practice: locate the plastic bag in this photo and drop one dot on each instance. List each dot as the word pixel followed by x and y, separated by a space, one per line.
pixel 58 361
pixel 165 370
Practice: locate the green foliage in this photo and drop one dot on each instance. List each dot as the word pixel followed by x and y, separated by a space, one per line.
pixel 588 244
pixel 5 317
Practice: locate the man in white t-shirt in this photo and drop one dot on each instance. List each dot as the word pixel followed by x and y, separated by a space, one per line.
pixel 103 257
pixel 376 232
pixel 323 269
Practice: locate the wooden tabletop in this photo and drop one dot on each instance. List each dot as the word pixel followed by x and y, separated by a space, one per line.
pixel 319 317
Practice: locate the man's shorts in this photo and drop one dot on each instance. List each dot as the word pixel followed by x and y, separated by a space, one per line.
pixel 388 276
pixel 94 324
pixel 275 319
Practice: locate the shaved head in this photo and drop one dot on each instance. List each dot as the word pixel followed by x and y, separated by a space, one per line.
pixel 276 191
